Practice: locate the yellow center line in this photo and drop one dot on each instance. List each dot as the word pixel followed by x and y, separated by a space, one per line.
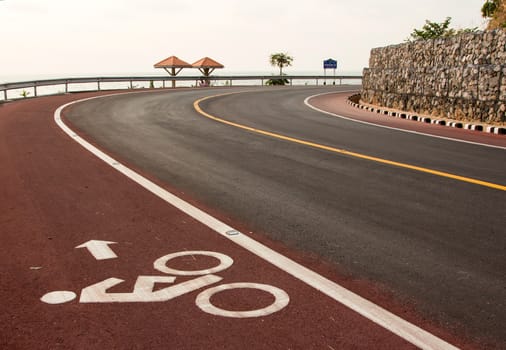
pixel 196 105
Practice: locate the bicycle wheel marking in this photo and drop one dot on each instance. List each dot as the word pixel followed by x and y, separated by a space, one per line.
pixel 144 288
pixel 281 299
pixel 161 263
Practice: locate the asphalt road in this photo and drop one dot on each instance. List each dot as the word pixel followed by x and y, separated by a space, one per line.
pixel 436 242
pixel 92 259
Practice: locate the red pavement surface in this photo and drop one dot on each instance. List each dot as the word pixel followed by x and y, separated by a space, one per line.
pixel 336 103
pixel 55 196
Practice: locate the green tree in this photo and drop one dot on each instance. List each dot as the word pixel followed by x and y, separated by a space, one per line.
pixel 489 7
pixel 495 10
pixel 280 60
pixel 434 30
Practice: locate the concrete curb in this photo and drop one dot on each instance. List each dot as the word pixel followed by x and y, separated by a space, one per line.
pixel 415 117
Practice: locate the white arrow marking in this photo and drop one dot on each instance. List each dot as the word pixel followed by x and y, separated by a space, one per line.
pixel 99 249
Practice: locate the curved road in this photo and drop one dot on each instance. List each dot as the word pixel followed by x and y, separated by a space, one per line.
pixel 437 243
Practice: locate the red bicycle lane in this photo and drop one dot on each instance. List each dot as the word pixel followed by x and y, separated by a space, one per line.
pixel 167 281
pixel 336 104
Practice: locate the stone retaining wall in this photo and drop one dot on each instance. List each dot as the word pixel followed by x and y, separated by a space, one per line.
pixel 461 77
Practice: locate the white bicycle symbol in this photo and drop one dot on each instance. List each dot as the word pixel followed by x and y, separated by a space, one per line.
pixel 144 288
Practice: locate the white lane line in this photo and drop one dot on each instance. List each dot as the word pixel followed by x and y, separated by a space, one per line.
pixel 408 331
pixel 307 103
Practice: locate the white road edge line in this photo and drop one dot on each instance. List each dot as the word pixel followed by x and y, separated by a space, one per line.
pixel 306 102
pixel 371 311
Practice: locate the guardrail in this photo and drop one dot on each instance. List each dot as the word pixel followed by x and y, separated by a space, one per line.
pixel 66 83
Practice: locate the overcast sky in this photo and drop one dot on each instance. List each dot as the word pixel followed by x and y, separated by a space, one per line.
pixel 65 37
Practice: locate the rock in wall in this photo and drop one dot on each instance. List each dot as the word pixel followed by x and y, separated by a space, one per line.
pixel 461 77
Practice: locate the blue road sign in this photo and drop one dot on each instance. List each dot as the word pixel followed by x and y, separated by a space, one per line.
pixel 330 64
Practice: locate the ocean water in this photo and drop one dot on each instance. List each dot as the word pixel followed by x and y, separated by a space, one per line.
pixel 58 89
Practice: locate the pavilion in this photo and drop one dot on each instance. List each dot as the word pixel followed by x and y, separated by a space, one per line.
pixel 206 66
pixel 173 66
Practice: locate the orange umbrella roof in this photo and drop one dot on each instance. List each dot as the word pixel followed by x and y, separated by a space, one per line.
pixel 173 62
pixel 207 62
